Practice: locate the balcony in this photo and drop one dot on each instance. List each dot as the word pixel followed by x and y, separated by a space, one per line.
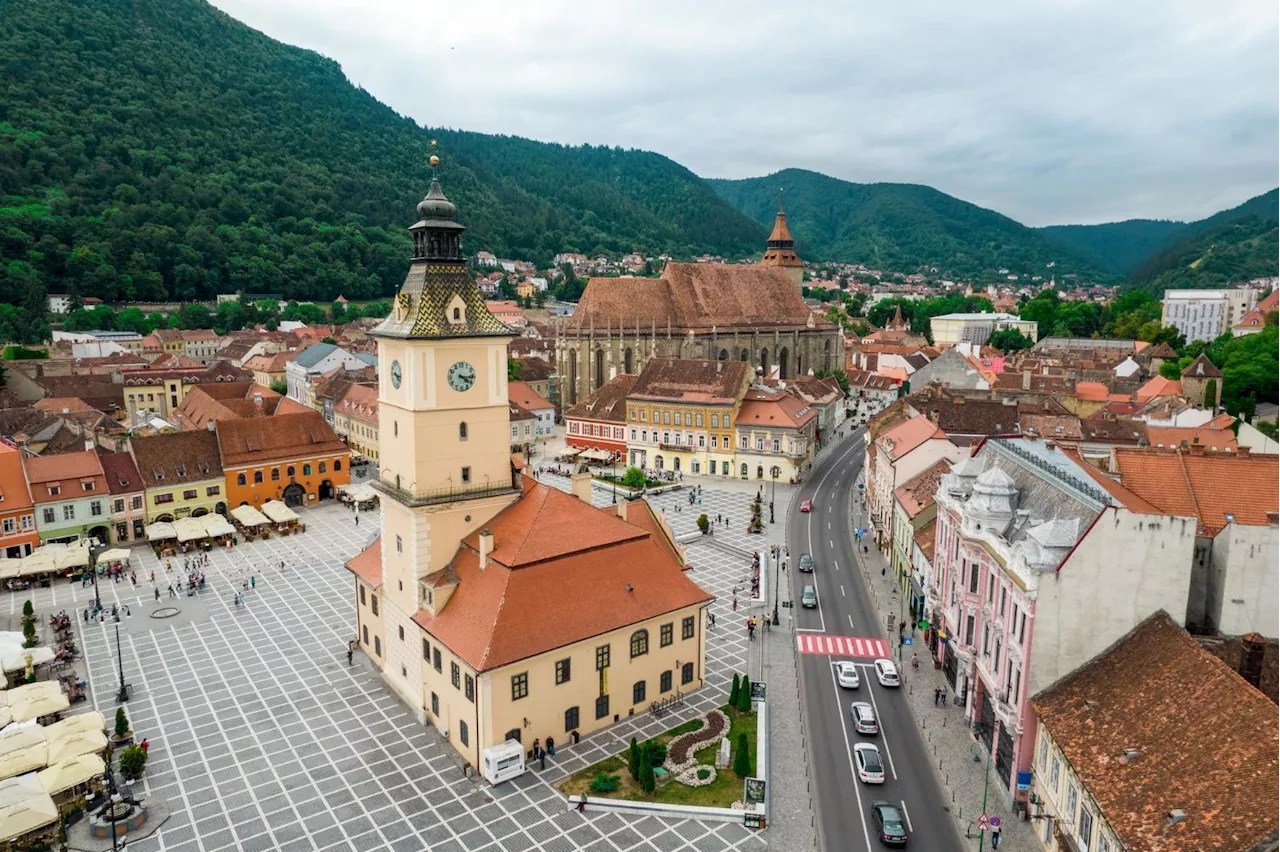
pixel 427 497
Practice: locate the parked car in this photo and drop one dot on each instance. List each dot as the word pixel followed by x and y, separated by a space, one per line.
pixel 809 597
pixel 864 718
pixel 806 506
pixel 866 758
pixel 887 673
pixel 806 563
pixel 889 824
pixel 847 675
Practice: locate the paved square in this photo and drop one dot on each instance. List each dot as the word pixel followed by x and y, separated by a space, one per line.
pixel 262 738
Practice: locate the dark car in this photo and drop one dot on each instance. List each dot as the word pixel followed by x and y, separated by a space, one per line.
pixel 806 562
pixel 889 824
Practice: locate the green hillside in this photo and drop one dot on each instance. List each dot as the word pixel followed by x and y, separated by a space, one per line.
pixel 898 226
pixel 160 149
pixel 1116 247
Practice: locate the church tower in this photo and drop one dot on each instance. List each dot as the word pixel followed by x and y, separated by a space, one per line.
pixel 443 427
pixel 780 251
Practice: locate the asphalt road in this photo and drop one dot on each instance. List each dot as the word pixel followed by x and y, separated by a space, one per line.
pixel 843 803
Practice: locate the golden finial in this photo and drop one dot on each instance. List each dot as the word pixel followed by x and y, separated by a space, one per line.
pixel 433 160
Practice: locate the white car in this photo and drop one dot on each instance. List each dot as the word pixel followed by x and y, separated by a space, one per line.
pixel 866 758
pixel 887 673
pixel 847 675
pixel 864 718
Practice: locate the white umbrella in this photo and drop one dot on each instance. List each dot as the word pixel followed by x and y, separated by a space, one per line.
pixel 115 554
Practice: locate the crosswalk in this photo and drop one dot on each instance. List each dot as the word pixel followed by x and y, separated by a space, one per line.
pixel 841 646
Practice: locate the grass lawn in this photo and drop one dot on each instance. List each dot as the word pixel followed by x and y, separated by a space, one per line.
pixel 726 790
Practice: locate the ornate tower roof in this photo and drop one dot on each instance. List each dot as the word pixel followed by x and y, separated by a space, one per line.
pixel 438 298
pixel 780 250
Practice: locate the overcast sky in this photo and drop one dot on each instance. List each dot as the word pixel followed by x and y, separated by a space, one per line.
pixel 1050 111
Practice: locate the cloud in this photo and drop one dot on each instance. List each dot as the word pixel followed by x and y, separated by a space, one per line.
pixel 1050 111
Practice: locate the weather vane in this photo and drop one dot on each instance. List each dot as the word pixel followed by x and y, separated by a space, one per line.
pixel 434 160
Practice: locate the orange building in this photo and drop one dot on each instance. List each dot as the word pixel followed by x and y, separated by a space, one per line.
pixel 18 536
pixel 297 458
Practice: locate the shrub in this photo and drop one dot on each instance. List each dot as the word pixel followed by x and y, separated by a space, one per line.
pixel 28 610
pixel 132 761
pixel 744 695
pixel 704 523
pixel 742 760
pixel 647 780
pixel 122 723
pixel 704 774
pixel 605 783
pixel 733 692
pixel 633 478
pixel 657 752
pixel 633 760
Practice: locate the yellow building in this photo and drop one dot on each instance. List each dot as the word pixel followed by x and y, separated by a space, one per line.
pixel 182 474
pixel 495 607
pixel 160 392
pixel 681 414
pixel 776 432
pixel 355 419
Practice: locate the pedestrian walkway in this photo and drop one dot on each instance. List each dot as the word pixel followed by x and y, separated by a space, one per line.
pixel 942 725
pixel 841 646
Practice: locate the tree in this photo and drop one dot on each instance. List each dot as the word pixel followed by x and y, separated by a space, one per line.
pixel 744 694
pixel 330 339
pixel 280 386
pixel 633 478
pixel 514 370
pixel 742 757
pixel 733 692
pixel 1010 340
pixel 1211 394
pixel 704 523
pixel 122 723
pixel 633 760
pixel 1172 369
pixel 133 761
pixel 647 779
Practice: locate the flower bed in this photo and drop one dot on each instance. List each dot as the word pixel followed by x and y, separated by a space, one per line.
pixel 681 761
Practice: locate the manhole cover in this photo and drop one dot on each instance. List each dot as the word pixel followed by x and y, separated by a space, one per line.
pixel 165 612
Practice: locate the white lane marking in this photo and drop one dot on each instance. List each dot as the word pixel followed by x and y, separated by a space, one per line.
pixel 906 815
pixel 850 621
pixel 883 735
pixel 848 750
pixel 837 564
pixel 828 525
pixel 831 544
pixel 842 594
pixel 806 629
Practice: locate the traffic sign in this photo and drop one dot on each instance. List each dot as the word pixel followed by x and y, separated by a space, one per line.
pixel 906 640
pixel 984 823
pixel 995 822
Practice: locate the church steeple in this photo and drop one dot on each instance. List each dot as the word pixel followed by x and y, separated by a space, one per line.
pixel 780 250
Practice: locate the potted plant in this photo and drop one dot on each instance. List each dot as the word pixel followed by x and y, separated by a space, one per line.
pixel 133 760
pixel 704 523
pixel 123 736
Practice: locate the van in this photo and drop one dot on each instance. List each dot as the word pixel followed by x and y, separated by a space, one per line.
pixel 809 597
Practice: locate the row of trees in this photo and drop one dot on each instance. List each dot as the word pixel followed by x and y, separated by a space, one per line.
pixel 223 318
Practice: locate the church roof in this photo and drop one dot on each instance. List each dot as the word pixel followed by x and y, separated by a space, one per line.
pixel 696 297
pixel 1202 368
pixel 676 380
pixel 781 233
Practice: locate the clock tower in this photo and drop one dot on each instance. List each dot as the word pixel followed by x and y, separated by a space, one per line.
pixel 443 427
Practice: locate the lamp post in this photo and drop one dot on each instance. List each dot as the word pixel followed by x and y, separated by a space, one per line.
pixel 109 777
pixel 613 470
pixel 777 560
pixel 97 596
pixel 123 694
pixel 773 492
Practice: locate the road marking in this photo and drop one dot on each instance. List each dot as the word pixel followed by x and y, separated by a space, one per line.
pixel 817 487
pixel 906 815
pixel 850 621
pixel 883 735
pixel 813 630
pixel 837 564
pixel 842 594
pixel 841 646
pixel 848 750
pixel 828 525
pixel 831 544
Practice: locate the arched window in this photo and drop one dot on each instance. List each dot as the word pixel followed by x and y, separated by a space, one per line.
pixel 639 643
pixel 457 315
pixel 306 470
pixel 573 376
pixel 599 377
pixel 783 355
pixel 257 477
pixel 324 467
pixel 337 464
pixel 744 355
pixel 626 360
pixel 240 479
pixel 291 471
pixel 764 362
pixel 275 474
pixel 462 431
pixel 826 356
pixel 744 470
pixel 724 355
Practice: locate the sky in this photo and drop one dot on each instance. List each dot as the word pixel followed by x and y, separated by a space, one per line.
pixel 1049 111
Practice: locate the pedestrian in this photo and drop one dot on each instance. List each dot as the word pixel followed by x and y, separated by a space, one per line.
pixel 582 804
pixel 253 582
pixel 735 602
pixel 542 759
pixel 357 519
pixel 350 653
pixel 712 616
pixel 145 744
pixel 156 589
pixel 551 746
pixel 537 744
pixel 244 582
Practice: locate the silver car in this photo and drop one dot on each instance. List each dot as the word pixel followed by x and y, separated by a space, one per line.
pixel 864 718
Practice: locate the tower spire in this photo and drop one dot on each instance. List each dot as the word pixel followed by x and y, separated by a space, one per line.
pixel 780 250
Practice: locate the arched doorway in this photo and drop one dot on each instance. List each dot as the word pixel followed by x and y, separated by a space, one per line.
pixel 783 355
pixel 764 362
pixel 326 490
pixel 513 734
pixel 657 462
pixel 599 377
pixel 573 376
pixel 760 472
pixel 164 519
pixel 744 470
pixel 626 360
pixel 294 495
pixel 101 533
pixel 724 355
pixel 675 464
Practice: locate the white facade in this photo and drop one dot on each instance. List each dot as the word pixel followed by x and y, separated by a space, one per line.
pixel 977 328
pixel 59 303
pixel 1206 314
pixel 889 474
pixel 1067 803
pixel 298 378
pixel 1244 581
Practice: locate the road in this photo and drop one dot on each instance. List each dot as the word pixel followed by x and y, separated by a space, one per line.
pixel 845 611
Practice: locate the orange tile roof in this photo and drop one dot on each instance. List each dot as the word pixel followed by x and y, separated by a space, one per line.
pixel 1205 742
pixel 1202 368
pixel 13 484
pixel 1271 302
pixel 1092 392
pixel 916 494
pixel 1156 387
pixel 1254 319
pixel 63 405
pixel 526 397
pixel 561 572
pixel 1204 485
pixel 608 403
pixel 905 437
pixel 897 374
pixel 360 402
pixel 1118 492
pixel 925 537
pixel 66 470
pixel 1213 439
pixel 285 436
pixel 367 564
pixel 774 408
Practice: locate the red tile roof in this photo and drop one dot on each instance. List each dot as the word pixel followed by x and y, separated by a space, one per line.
pixel 526 397
pixel 1204 485
pixel 175 458
pixel 925 537
pixel 1092 391
pixel 68 471
pixel 608 403
pixel 1271 302
pixel 121 473
pixel 774 408
pixel 360 402
pixel 677 380
pixel 13 484
pixel 1156 387
pixel 1202 368
pixel 1213 439
pixel 1205 742
pixel 906 437
pixel 916 494
pixel 285 436
pixel 561 572
pixel 367 564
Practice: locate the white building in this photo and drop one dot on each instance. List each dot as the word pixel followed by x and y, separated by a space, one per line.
pixel 978 328
pixel 316 360
pixel 901 453
pixel 1206 314
pixel 58 303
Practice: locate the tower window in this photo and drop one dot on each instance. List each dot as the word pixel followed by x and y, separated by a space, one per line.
pixel 462 431
pixel 457 315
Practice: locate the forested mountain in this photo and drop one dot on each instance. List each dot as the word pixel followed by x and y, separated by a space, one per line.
pixel 1116 247
pixel 898 226
pixel 156 149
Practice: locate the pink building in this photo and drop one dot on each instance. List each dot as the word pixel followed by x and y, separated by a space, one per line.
pixel 1040 563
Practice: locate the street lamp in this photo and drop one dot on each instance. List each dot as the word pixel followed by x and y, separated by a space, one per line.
pixel 776 562
pixel 773 492
pixel 613 470
pixel 109 777
pixel 123 694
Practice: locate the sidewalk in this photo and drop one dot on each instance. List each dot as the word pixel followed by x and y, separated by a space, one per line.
pixel 945 734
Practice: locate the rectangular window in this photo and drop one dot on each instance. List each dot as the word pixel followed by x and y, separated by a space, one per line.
pixel 602 706
pixel 49 517
pixel 715 421
pixel 760 445
pixel 212 491
pixel 633 437
pixel 399 544
pixel 973 580
pixel 571 719
pixel 426 648
pixel 462 733
pixel 742 442
pixel 137 502
pixel 1072 798
pixel 190 495
pixel 373 603
pixel 1053 776
pixel 715 444
pixel 362 601
pixel 666 418
pixel 161 499
pixel 686 673
pixel 602 657
pixel 455 675
pixel 519 686
pixel 1003 595
pixel 1044 753
pixel 466 474
pixel 435 659
pixel 702 441
pixel 968 632
pixel 686 627
pixel 698 420
pixel 664 682
pixel 68 513
pixel 637 692
pixel 991 587
pixel 117 505
pixel 1022 630
pixel 470 690
pixel 666 634
pixel 95 508
pixel 563 670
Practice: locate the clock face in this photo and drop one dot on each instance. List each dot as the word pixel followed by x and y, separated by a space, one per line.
pixel 395 373
pixel 462 376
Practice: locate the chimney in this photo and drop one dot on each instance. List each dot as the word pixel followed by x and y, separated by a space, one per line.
pixel 1196 449
pixel 581 485
pixel 211 425
pixel 257 401
pixel 622 508
pixel 1242 452
pixel 1252 649
pixel 1026 380
pixel 486 547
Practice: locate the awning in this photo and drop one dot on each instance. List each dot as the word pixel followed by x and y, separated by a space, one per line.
pixel 24 760
pixel 569 452
pixel 72 557
pixel 216 525
pixel 16 661
pixel 21 737
pixel 31 690
pixel 115 554
pixel 39 706
pixel 24 807
pixel 361 493
pixel 189 529
pixel 597 455
pixel 67 774
pixel 247 516
pixel 161 531
pixel 278 512
pixel 75 744
pixel 91 721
